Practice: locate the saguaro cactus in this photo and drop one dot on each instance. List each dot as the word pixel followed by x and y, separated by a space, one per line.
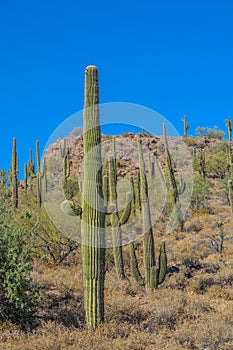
pixel 176 217
pixel 186 126
pixel 115 220
pixel 229 129
pixel 25 178
pixel 93 216
pixel 153 275
pixel 38 186
pixel 230 195
pixel 148 242
pixel 14 175
pixel 134 265
pixel 202 170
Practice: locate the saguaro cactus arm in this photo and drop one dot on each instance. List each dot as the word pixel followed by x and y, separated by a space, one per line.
pixel 134 265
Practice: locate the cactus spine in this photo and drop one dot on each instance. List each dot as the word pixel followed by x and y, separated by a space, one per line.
pixel 93 216
pixel 14 175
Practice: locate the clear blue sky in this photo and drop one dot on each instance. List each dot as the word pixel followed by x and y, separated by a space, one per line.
pixel 174 56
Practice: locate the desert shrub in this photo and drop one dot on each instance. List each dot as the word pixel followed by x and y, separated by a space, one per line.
pixel 51 244
pixel 200 194
pixel 216 162
pixel 17 293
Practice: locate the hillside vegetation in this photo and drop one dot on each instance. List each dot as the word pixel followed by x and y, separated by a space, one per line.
pixel 118 242
pixel 192 309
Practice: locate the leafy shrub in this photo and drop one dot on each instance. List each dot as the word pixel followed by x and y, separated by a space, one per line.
pixel 201 187
pixel 216 160
pixel 17 294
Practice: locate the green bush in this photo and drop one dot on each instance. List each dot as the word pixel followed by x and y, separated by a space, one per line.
pixel 18 295
pixel 216 161
pixel 200 194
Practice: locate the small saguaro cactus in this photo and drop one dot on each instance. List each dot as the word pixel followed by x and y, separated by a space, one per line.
pixel 186 126
pixel 14 175
pixel 229 129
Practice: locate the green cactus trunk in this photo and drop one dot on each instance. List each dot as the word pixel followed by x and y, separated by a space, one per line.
pixel 134 265
pixel 38 186
pixel 25 179
pixel 115 221
pixel 186 127
pixel 230 195
pixel 148 242
pixel 202 170
pixel 229 129
pixel 14 175
pixel 93 216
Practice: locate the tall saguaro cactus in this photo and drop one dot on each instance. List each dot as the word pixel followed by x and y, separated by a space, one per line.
pixel 93 216
pixel 14 175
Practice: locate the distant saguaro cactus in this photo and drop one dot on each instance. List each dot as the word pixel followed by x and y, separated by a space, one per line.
pixel 230 194
pixel 186 126
pixel 176 217
pixel 14 175
pixel 38 186
pixel 229 129
pixel 25 178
